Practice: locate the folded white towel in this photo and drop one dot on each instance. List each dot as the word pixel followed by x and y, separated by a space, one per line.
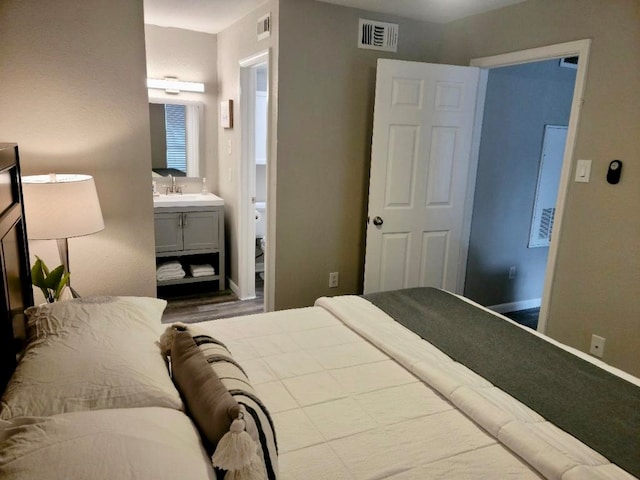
pixel 177 271
pixel 163 276
pixel 170 267
pixel 171 262
pixel 205 266
pixel 201 270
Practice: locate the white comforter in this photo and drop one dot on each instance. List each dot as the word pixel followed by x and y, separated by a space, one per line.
pixel 117 443
pixel 383 403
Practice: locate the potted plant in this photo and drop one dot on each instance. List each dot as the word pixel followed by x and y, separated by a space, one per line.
pixel 51 283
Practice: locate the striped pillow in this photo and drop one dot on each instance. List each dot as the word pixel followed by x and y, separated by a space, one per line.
pixel 237 383
pixel 208 402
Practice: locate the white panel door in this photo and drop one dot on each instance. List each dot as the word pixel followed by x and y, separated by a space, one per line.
pixel 421 151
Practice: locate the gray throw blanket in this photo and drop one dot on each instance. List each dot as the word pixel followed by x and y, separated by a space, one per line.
pixel 595 406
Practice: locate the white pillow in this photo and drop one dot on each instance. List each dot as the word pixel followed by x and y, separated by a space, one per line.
pixel 88 354
pixel 138 443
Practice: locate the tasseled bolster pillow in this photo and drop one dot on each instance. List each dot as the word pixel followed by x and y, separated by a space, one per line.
pixel 223 405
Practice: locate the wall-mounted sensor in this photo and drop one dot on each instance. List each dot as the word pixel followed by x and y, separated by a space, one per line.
pixel 613 174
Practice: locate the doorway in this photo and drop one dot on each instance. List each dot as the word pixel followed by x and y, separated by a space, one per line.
pixel 578 49
pixel 408 96
pixel 254 133
pixel 526 112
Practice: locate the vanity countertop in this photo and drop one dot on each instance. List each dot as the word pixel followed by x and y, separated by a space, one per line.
pixel 187 200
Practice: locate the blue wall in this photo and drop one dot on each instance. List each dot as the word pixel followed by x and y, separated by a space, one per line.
pixel 520 101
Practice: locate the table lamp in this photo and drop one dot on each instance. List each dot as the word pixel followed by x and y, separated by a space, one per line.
pixel 61 207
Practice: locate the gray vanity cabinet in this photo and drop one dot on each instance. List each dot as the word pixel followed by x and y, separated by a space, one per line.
pixel 168 227
pixel 189 231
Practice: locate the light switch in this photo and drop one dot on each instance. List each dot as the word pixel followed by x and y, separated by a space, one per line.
pixel 583 171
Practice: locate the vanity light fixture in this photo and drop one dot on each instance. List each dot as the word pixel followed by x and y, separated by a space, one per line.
pixel 173 85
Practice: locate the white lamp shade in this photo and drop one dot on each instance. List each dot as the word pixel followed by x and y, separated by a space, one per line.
pixel 61 206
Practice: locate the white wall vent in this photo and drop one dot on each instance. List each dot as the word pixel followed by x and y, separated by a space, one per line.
pixel 544 206
pixel 264 26
pixel 378 35
pixel 546 224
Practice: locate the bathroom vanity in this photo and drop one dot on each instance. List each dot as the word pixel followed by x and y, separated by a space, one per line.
pixel 190 228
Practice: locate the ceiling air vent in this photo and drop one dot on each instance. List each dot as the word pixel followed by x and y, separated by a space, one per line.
pixel 378 35
pixel 264 26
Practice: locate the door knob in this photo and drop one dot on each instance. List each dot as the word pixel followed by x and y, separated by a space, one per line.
pixel 377 221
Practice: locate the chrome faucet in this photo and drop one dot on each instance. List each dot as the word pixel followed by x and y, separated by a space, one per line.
pixel 173 188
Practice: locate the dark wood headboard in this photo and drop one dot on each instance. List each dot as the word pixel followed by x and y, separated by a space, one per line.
pixel 16 293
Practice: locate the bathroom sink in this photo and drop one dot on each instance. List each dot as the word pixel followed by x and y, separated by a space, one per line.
pixel 187 200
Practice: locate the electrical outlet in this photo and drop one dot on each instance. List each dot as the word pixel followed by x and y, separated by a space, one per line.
pixel 597 346
pixel 512 273
pixel 334 279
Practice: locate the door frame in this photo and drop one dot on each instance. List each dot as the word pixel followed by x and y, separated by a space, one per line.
pixel 247 176
pixel 580 48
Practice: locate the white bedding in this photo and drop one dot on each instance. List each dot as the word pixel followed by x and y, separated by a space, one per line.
pixel 89 354
pixel 346 409
pixel 150 443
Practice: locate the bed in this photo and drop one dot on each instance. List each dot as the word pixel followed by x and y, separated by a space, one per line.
pixel 411 384
pixel 355 394
pixel 351 393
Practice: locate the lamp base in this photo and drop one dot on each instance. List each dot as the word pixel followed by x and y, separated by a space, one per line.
pixel 63 251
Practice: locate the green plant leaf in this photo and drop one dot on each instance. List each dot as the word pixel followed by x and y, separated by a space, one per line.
pixel 44 266
pixel 63 282
pixel 46 294
pixel 54 277
pixel 37 275
pixel 51 283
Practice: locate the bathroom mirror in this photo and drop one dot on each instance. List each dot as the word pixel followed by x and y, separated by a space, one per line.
pixel 177 144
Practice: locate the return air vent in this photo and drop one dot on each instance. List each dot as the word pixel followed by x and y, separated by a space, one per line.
pixel 264 26
pixel 546 224
pixel 378 35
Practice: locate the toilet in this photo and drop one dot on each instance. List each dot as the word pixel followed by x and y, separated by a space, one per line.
pixel 261 219
pixel 261 233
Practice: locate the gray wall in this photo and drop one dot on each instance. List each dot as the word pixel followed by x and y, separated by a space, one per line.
pixel 324 137
pixel 596 288
pixel 73 95
pixel 236 43
pixel 520 101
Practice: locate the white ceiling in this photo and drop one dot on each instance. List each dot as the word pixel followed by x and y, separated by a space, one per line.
pixel 212 16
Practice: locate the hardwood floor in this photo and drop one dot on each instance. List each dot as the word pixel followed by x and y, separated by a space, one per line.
pixel 197 303
pixel 528 318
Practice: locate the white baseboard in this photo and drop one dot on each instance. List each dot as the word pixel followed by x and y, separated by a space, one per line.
pixel 515 306
pixel 234 288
